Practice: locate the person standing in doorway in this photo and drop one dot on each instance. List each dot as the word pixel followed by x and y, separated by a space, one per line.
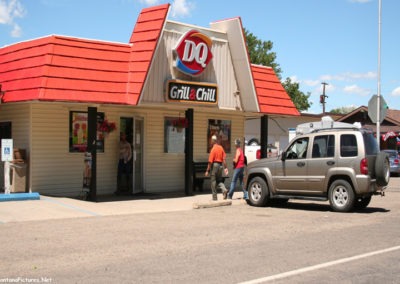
pixel 217 165
pixel 238 165
pixel 124 163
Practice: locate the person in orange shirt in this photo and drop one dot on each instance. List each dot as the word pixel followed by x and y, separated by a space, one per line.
pixel 217 164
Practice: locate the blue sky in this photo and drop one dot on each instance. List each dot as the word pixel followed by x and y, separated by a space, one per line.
pixel 332 41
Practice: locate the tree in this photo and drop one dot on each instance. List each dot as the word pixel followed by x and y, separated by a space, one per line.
pixel 343 110
pixel 260 53
pixel 299 99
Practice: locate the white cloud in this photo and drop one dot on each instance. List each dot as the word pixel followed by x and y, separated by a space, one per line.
pixel 9 11
pixel 294 79
pixel 349 76
pixel 181 8
pixel 360 1
pixel 356 90
pixel 396 92
pixel 149 2
pixel 16 32
pixel 311 83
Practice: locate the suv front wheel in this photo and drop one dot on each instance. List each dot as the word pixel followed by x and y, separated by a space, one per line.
pixel 258 192
pixel 341 196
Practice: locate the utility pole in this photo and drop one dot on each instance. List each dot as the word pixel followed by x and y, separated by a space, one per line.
pixel 378 123
pixel 323 97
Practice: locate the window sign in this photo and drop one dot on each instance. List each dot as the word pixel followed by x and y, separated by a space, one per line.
pixel 221 129
pixel 78 132
pixel 7 151
pixel 174 134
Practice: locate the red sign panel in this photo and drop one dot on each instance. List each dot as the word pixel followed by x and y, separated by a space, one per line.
pixel 193 53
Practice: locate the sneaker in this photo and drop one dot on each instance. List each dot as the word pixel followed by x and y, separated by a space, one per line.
pixel 225 194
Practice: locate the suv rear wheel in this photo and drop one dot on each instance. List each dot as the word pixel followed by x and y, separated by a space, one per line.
pixel 258 192
pixel 341 196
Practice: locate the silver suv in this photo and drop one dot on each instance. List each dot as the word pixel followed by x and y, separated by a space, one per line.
pixel 341 165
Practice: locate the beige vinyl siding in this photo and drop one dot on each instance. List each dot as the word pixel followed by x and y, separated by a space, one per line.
pixel 220 70
pixel 18 114
pixel 56 171
pixel 164 172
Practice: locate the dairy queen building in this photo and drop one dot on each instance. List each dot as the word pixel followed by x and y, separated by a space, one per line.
pixel 65 101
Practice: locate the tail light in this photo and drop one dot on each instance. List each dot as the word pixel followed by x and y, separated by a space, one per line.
pixel 258 154
pixel 396 161
pixel 364 166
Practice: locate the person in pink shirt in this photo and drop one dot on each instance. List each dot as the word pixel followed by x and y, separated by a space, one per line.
pixel 238 166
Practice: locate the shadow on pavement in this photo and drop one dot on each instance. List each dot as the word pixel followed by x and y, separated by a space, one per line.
pixel 141 196
pixel 325 208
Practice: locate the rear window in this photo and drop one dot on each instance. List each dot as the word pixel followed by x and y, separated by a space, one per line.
pixel 371 146
pixel 323 146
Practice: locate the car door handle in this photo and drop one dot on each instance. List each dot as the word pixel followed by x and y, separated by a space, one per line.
pixel 301 164
pixel 330 163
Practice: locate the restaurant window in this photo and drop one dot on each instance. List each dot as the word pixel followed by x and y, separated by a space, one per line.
pixel 174 134
pixel 222 129
pixel 78 132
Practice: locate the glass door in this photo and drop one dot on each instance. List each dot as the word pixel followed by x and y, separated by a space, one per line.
pixel 138 156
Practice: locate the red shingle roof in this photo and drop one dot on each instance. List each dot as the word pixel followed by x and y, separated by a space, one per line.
pixel 144 41
pixel 272 97
pixel 64 69
pixel 57 68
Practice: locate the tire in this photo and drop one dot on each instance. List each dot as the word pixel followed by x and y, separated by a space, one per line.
pixel 253 142
pixel 362 202
pixel 382 169
pixel 341 196
pixel 257 192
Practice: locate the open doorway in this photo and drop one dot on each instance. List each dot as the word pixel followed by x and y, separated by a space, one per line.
pixel 133 129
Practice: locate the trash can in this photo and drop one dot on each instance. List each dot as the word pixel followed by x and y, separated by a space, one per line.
pixel 18 172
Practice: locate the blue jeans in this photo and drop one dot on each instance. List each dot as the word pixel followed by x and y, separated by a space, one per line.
pixel 237 175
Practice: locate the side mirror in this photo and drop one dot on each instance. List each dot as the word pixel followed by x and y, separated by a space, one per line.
pixel 283 156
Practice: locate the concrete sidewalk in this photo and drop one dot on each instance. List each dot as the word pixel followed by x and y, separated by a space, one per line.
pixel 47 208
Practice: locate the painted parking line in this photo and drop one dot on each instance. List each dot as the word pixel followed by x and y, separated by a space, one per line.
pixel 70 206
pixel 318 266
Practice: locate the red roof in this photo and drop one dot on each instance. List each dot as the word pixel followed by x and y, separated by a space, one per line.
pixel 64 69
pixel 144 41
pixel 272 97
pixel 57 68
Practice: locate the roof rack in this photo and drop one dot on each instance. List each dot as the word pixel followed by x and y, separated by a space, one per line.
pixel 335 128
pixel 326 123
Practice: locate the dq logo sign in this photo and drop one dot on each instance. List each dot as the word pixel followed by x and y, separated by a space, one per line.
pixel 193 53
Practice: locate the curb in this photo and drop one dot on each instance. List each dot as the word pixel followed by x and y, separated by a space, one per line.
pixel 19 196
pixel 212 204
